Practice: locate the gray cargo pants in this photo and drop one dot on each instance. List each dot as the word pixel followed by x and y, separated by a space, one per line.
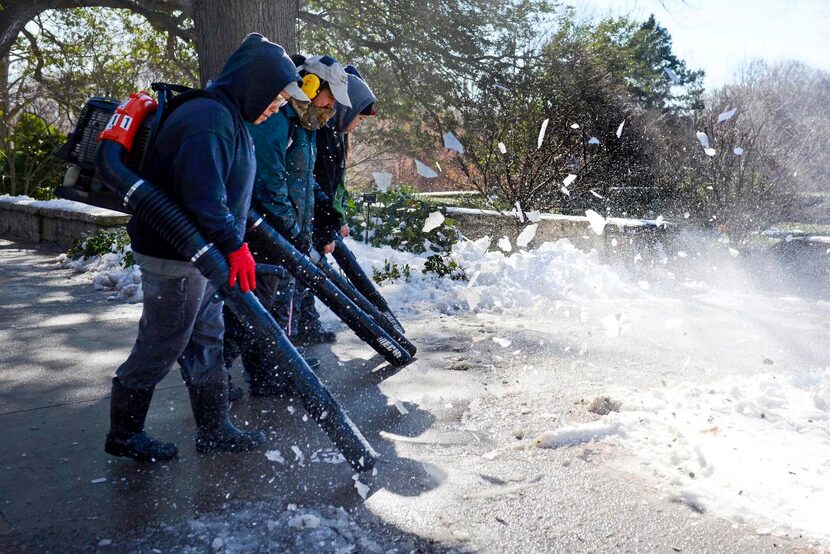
pixel 180 321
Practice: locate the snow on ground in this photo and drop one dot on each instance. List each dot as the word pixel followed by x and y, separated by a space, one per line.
pixel 275 527
pixel 107 273
pixel 749 447
pixel 498 282
pixel 753 449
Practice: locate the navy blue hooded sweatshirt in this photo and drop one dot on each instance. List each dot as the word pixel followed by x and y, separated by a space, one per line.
pixel 203 156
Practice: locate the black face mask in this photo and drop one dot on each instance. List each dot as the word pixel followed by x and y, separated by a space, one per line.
pixel 311 117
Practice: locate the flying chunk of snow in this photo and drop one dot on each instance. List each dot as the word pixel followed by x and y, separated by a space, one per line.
pixel 298 454
pixel 620 128
pixel 383 180
pixel 595 193
pixel 726 116
pixel 526 235
pixel 362 488
pixel 613 327
pixel 734 253
pixel 593 140
pixel 738 151
pixel 504 244
pixel 502 148
pixel 433 221
pixel 703 138
pixel 709 151
pixel 504 343
pixel 424 170
pixel 401 408
pixel 672 76
pixel 574 125
pixel 596 221
pixel 569 179
pixel 542 130
pixel 534 216
pixel 452 143
pixel 275 456
pixel 519 213
pixel 99 480
pixel 565 191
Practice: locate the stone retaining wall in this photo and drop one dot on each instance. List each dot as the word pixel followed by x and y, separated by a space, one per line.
pixel 55 221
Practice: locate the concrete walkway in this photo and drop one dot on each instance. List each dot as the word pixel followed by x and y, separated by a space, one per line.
pixel 58 489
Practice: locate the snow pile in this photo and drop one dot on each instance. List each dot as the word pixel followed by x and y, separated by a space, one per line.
pixel 498 281
pixel 108 274
pixel 753 449
pixel 525 279
pixel 274 527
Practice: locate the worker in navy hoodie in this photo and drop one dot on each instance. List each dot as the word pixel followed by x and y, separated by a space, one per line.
pixel 285 192
pixel 330 174
pixel 203 158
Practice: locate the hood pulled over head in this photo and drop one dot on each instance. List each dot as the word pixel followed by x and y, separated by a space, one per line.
pixel 254 75
pixel 361 97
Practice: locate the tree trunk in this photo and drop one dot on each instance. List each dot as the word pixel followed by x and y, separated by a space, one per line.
pixel 220 26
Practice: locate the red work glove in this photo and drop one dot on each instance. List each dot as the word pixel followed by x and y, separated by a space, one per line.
pixel 242 266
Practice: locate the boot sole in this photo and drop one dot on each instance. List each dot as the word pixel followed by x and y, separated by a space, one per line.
pixel 114 449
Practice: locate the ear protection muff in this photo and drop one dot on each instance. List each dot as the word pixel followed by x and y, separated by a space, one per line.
pixel 311 85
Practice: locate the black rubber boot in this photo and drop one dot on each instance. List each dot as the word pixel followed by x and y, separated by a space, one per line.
pixel 128 410
pixel 234 392
pixel 215 432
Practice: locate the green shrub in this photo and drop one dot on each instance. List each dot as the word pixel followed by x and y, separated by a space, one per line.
pixel 397 220
pixel 100 243
pixel 27 165
pixel 443 266
pixel 391 272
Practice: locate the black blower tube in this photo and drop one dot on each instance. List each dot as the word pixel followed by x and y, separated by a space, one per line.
pixel 264 236
pixel 170 221
pixel 361 302
pixel 350 266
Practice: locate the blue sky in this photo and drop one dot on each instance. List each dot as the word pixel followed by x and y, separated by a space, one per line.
pixel 719 35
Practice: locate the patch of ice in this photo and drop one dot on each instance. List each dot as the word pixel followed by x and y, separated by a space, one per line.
pixel 383 180
pixel 424 170
pixel 596 221
pixel 433 221
pixel 675 80
pixel 275 456
pixel 727 115
pixel 452 143
pixel 527 235
pixel 542 130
